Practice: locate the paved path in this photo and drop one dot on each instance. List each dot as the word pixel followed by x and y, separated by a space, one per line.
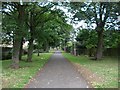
pixel 58 73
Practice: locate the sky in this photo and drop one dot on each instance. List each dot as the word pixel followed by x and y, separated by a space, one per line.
pixel 70 15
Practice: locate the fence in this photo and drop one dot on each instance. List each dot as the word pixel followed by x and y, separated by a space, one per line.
pixel 6 53
pixel 91 52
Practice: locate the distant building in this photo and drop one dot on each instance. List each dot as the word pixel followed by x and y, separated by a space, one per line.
pixel 5 45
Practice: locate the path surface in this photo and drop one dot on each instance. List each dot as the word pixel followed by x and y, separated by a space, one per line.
pixel 58 73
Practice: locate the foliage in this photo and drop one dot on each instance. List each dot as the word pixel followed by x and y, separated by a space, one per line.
pixel 10 19
pixel 54 30
pixel 102 14
pixel 87 38
pixel 34 22
pixel 96 12
pixel 111 39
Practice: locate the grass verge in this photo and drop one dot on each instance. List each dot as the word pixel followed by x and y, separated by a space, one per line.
pixel 19 78
pixel 106 68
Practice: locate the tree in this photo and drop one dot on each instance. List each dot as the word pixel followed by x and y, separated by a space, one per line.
pixel 35 13
pixel 111 38
pixel 99 13
pixel 52 31
pixel 87 38
pixel 16 13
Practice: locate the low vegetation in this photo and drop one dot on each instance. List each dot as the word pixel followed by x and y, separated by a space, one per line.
pixel 106 69
pixel 14 78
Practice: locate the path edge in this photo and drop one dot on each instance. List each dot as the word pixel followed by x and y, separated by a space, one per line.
pixel 37 73
pixel 76 68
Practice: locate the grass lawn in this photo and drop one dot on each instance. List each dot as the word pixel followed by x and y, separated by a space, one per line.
pixel 106 68
pixel 19 78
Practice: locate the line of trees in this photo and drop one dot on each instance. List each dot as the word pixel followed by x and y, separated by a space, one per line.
pixel 101 19
pixel 35 22
pixel 43 25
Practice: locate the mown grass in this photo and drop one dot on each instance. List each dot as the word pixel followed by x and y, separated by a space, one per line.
pixel 106 68
pixel 20 77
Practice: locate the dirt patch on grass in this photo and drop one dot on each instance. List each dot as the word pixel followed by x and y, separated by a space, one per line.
pixel 91 77
pixel 6 82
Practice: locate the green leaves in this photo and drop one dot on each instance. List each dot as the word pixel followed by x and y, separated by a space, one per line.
pixel 87 38
pixel 111 39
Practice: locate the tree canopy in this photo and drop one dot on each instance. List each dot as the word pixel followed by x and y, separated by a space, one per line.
pixel 52 24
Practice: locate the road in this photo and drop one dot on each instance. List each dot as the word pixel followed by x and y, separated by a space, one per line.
pixel 58 73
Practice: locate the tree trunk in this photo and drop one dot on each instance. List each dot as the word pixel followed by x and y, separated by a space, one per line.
pixel 47 47
pixel 21 50
pixel 99 51
pixel 30 50
pixel 18 37
pixel 38 53
pixel 65 48
pixel 15 56
pixel 90 52
pixel 74 49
